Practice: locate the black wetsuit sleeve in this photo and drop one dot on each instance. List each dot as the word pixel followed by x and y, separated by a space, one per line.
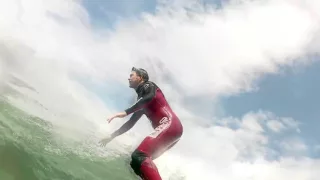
pixel 148 93
pixel 129 124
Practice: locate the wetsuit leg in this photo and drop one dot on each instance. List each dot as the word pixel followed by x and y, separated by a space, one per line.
pixel 163 138
pixel 161 151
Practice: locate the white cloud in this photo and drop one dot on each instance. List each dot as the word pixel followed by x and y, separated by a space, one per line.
pixel 275 125
pixel 293 145
pixel 241 153
pixel 250 121
pixel 208 52
pixel 278 125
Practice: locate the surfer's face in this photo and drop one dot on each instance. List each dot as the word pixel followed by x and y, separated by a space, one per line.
pixel 134 80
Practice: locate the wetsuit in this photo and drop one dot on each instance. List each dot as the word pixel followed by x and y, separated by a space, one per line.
pixel 167 126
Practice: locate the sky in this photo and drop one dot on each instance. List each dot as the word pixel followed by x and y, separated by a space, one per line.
pixel 291 93
pixel 238 74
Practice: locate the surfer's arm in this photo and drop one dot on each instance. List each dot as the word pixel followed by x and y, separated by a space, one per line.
pixel 149 92
pixel 129 124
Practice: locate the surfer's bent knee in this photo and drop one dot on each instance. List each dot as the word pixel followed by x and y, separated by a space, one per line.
pixel 137 158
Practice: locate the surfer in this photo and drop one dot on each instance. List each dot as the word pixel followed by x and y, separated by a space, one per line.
pixel 167 126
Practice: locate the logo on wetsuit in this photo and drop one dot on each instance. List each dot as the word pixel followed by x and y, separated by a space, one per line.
pixel 164 120
pixel 145 86
pixel 164 124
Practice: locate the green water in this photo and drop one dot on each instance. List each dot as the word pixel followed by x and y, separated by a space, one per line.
pixel 28 151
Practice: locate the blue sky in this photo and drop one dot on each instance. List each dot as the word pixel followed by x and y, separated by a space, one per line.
pixel 290 94
pixel 106 13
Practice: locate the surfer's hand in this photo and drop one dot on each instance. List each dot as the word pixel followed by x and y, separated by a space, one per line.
pixel 105 141
pixel 118 115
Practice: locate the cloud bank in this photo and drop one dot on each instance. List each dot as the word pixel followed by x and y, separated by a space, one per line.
pixel 201 51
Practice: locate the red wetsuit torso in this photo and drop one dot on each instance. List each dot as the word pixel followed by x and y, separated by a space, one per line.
pixel 159 109
pixel 154 105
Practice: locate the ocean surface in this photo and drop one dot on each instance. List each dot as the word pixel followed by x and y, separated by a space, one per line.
pixel 33 147
pixel 30 150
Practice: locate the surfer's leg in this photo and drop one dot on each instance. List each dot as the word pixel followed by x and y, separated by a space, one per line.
pixel 143 166
pixel 161 151
pixel 164 137
pixel 142 163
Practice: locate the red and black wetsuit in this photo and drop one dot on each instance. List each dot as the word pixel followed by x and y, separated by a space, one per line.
pixel 168 129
